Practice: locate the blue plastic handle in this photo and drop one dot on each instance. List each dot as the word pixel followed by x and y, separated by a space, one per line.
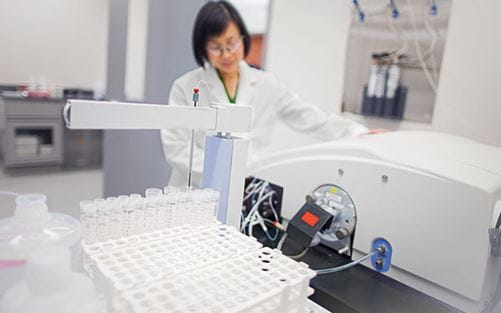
pixel 381 262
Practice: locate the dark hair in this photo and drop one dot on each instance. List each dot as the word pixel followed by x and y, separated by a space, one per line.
pixel 212 20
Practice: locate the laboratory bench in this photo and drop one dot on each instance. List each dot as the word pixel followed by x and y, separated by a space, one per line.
pixel 34 134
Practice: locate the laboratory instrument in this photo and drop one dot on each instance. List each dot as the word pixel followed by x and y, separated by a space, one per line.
pixel 225 155
pixel 189 267
pixel 432 196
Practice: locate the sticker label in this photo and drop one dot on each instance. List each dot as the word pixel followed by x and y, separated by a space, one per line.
pixel 11 263
pixel 310 218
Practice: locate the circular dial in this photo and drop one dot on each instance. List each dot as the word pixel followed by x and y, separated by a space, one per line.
pixel 337 202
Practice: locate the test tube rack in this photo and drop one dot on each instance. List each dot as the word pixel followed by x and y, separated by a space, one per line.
pixel 210 268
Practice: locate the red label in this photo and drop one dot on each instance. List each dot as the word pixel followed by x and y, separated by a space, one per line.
pixel 309 218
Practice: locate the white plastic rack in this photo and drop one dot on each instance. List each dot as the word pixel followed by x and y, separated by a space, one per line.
pixel 155 256
pixel 212 268
pixel 261 281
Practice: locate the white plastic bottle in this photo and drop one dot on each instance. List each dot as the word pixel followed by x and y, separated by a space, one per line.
pixel 32 226
pixel 373 76
pixel 381 80
pixel 49 285
pixel 393 80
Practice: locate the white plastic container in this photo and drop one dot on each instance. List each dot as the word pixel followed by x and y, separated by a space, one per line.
pixel 48 285
pixel 32 226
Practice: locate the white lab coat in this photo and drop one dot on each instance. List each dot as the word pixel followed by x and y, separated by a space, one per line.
pixel 270 101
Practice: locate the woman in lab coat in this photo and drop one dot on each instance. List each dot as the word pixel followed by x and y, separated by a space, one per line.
pixel 220 43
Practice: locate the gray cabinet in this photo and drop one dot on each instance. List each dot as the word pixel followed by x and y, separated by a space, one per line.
pixel 33 132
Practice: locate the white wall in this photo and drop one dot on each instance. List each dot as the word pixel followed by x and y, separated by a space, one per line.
pixel 306 48
pixel 254 13
pixel 64 41
pixel 468 101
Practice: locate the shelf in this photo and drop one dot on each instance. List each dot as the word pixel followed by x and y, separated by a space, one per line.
pixel 373 122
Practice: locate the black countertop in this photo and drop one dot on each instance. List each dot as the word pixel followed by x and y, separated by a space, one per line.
pixel 362 290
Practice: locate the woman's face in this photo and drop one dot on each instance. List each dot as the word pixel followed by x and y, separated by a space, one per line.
pixel 226 50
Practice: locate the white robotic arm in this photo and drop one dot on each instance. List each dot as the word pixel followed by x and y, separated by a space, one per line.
pixel 225 156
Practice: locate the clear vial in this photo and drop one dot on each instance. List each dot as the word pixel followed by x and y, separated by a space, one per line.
pixel 183 208
pixel 170 203
pixel 128 216
pixel 116 217
pixel 137 204
pixel 124 199
pixel 178 214
pixel 152 208
pixel 212 201
pixel 88 214
pixel 103 219
pixel 170 189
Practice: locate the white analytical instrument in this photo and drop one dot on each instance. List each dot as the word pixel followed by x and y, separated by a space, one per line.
pixel 433 196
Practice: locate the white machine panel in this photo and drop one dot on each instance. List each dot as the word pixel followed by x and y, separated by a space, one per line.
pixel 84 114
pixel 431 195
pixel 233 118
pixel 94 114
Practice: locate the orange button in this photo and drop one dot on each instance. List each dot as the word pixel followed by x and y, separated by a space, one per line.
pixel 310 219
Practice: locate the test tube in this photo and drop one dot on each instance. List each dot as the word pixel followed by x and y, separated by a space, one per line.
pixel 152 210
pixel 170 203
pixel 138 213
pixel 115 226
pixel 88 214
pixel 213 201
pixel 102 219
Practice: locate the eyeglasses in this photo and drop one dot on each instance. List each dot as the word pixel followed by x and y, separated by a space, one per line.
pixel 231 47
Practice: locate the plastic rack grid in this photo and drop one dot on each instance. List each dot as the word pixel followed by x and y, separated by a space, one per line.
pixel 120 243
pixel 113 244
pixel 259 282
pixel 154 256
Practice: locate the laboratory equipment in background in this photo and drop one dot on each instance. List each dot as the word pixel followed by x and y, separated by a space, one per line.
pixel 49 284
pixel 394 58
pixel 383 95
pixel 33 135
pixel 31 227
pixel 33 132
pixel 436 198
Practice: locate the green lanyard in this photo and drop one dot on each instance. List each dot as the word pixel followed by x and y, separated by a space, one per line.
pixel 230 99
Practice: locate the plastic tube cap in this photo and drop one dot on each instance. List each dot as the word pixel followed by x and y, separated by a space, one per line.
pixel 31 208
pixel 153 192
